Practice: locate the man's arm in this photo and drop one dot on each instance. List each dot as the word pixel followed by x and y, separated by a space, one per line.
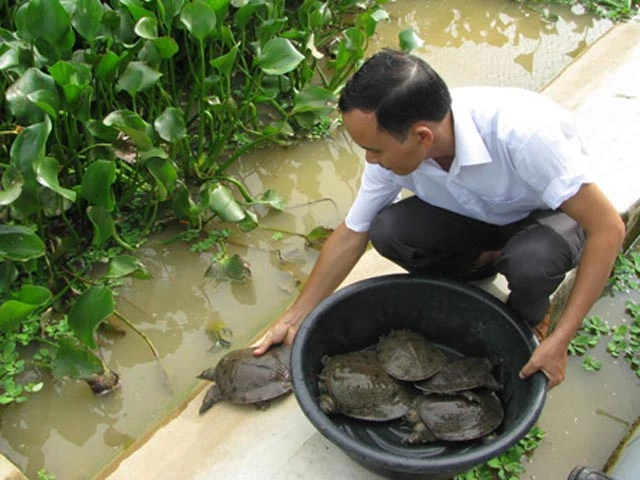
pixel 337 258
pixel 605 232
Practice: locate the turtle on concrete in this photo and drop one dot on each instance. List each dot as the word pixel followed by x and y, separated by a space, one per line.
pixel 241 377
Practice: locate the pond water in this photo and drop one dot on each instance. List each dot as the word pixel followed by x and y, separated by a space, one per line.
pixel 73 434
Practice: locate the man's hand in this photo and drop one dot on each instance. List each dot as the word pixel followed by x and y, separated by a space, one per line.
pixel 339 254
pixel 280 332
pixel 550 358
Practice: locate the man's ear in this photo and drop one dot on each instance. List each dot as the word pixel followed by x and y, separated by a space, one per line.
pixel 424 133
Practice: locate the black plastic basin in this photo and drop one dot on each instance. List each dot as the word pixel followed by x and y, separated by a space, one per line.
pixel 459 318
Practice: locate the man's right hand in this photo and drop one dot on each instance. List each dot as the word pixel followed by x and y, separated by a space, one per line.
pixel 339 254
pixel 280 332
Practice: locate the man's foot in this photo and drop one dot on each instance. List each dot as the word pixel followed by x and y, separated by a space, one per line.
pixel 483 267
pixel 542 328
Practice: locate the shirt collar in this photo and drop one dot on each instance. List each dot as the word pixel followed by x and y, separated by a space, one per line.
pixel 470 148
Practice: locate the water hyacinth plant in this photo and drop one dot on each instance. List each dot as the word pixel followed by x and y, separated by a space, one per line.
pixel 120 114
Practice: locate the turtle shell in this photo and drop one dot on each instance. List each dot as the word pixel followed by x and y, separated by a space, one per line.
pixel 466 416
pixel 241 377
pixel 409 356
pixel 356 385
pixel 462 374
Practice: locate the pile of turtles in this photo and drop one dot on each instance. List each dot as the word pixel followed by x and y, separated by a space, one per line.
pixel 404 376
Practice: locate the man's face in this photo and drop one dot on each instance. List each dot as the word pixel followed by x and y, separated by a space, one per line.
pixel 382 148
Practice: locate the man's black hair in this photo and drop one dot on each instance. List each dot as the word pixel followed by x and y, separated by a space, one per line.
pixel 400 88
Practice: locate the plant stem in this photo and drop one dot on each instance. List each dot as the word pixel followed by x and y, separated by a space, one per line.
pixel 143 335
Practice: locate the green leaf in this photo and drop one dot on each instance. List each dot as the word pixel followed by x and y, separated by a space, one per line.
pixel 313 98
pixel 29 146
pixel 107 66
pixel 199 19
pixel 279 56
pixel 47 175
pixel 165 174
pixel 233 268
pixel 90 309
pixel 369 21
pixel 315 238
pixel 132 125
pixel 409 40
pixel 223 204
pixel 591 364
pixel 47 100
pixel 8 275
pixel 96 184
pixel 73 77
pixel 20 243
pixel 12 183
pixel 103 227
pixel 171 9
pixel 24 302
pixel 47 20
pixel 184 207
pixel 271 198
pixel 246 10
pixel 86 18
pixel 74 360
pixel 147 28
pixel 170 125
pixel 167 47
pixel 249 222
pixel 16 95
pixel 224 63
pixel 136 10
pixel 124 265
pixel 137 77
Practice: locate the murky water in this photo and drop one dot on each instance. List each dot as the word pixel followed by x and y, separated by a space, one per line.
pixel 73 434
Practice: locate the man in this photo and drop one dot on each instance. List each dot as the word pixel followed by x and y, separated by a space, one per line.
pixel 501 184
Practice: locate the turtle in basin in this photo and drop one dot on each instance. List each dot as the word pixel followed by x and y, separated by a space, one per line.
pixel 408 355
pixel 464 416
pixel 465 373
pixel 356 385
pixel 241 377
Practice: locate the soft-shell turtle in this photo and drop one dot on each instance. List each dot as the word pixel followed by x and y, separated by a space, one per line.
pixel 407 355
pixel 241 377
pixel 462 374
pixel 356 385
pixel 465 416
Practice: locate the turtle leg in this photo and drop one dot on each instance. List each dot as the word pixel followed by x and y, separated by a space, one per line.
pixel 420 433
pixel 213 396
pixel 263 405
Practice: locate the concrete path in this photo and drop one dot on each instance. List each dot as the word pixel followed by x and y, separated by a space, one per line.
pixel 236 443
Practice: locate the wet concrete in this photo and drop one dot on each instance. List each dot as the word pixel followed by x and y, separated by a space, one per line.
pixel 279 443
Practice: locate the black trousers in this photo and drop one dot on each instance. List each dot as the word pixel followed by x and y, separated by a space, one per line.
pixel 535 253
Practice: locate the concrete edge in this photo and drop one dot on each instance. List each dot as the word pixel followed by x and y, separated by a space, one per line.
pixel 8 471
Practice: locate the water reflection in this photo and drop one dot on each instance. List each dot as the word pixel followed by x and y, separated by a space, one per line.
pixel 469 43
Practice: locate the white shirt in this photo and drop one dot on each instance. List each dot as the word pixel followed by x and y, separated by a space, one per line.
pixel 516 151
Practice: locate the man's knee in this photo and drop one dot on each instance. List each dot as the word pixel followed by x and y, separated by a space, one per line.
pixel 536 259
pixel 381 230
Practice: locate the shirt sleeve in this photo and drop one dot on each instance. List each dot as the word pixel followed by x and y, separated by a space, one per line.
pixel 377 190
pixel 554 162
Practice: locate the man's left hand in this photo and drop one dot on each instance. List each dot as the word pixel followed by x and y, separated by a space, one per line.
pixel 550 358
